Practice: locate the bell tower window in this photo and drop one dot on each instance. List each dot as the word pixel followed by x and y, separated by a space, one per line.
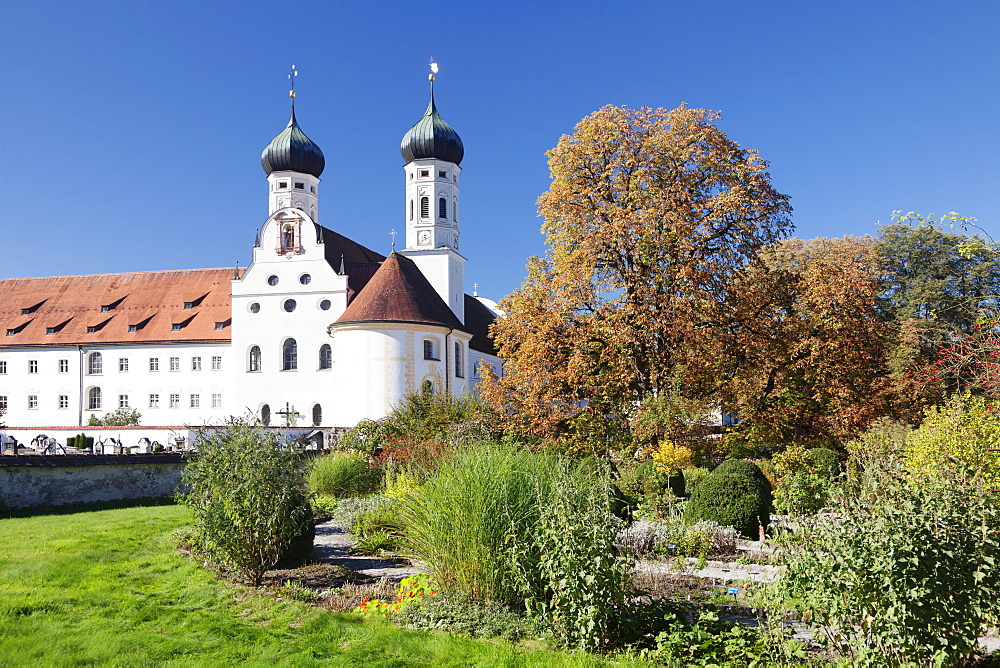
pixel 425 207
pixel 442 208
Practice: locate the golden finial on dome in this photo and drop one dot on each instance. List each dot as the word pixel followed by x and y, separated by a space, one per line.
pixel 434 69
pixel 291 78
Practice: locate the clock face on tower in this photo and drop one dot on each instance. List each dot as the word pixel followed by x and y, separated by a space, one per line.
pixel 424 237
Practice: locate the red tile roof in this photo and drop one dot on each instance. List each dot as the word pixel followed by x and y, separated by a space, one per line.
pixel 399 292
pixel 74 310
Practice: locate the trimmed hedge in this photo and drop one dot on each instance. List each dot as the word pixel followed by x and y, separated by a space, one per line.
pixel 735 494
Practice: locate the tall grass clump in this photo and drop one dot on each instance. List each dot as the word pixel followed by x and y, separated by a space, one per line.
pixel 464 520
pixel 526 530
pixel 343 474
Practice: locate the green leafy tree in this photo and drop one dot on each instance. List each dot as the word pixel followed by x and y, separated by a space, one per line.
pixel 247 494
pixel 120 417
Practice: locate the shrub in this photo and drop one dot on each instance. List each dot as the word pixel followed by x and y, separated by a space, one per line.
pixel 645 484
pixel 343 474
pixel 582 583
pixel 675 538
pixel 965 432
pixel 120 417
pixel 732 500
pixel 901 574
pixel 826 462
pixel 472 618
pixel 246 492
pixel 692 478
pixel 802 493
pixel 348 512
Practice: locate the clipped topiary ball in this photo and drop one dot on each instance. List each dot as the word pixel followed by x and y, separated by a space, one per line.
pixel 732 500
pixel 741 467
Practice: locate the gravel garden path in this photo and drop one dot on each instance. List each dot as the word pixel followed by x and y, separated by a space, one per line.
pixel 333 545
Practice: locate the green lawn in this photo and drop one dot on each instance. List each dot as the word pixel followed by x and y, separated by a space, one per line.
pixel 107 587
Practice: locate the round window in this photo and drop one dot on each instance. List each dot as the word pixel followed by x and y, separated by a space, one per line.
pixel 325 305
pixel 305 279
pixel 272 280
pixel 289 305
pixel 255 307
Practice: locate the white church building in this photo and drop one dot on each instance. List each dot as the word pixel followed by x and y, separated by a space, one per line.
pixel 318 331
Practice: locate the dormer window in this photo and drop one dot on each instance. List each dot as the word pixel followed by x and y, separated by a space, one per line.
pixel 32 309
pixel 107 307
pixel 176 327
pixel 188 305
pixel 194 302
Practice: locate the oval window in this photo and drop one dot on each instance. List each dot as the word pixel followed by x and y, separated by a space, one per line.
pixel 325 305
pixel 272 280
pixel 289 305
pixel 305 279
pixel 255 307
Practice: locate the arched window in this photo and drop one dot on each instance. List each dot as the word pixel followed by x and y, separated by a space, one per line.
pixel 317 415
pixel 459 362
pixel 454 209
pixel 425 207
pixel 325 356
pixel 289 355
pixel 254 359
pixel 442 208
pixel 411 209
pixel 94 399
pixel 265 415
pixel 95 365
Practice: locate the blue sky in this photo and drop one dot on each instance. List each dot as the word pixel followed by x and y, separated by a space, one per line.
pixel 132 131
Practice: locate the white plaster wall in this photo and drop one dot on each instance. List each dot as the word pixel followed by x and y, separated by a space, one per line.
pixel 268 329
pixel 138 383
pixel 378 364
pixel 445 270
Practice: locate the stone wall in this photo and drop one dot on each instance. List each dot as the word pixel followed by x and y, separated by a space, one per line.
pixel 41 480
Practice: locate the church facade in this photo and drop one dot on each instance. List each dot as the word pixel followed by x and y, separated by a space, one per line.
pixel 318 331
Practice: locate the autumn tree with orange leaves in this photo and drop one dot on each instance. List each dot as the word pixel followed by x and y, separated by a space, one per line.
pixel 815 356
pixel 651 217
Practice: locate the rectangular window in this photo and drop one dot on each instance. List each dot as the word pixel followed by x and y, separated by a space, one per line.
pixel 63 366
pixel 3 367
pixel 188 306
pixel 216 401
pixel 154 363
pixel 63 401
pixel 442 175
pixel 32 401
pixel 459 362
pixel 195 401
pixel 175 363
pixel 282 184
pixel 300 186
pixel 154 401
pixel 122 401
pixel 220 325
pixel 3 402
pixel 424 173
pixel 175 401
pixel 429 352
pixel 123 364
pixel 32 366
pixel 133 328
pixel 196 363
pixel 216 362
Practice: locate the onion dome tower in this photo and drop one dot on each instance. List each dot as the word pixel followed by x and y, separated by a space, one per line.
pixel 433 151
pixel 293 164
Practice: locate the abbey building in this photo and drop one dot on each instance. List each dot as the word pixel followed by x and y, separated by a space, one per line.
pixel 317 331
